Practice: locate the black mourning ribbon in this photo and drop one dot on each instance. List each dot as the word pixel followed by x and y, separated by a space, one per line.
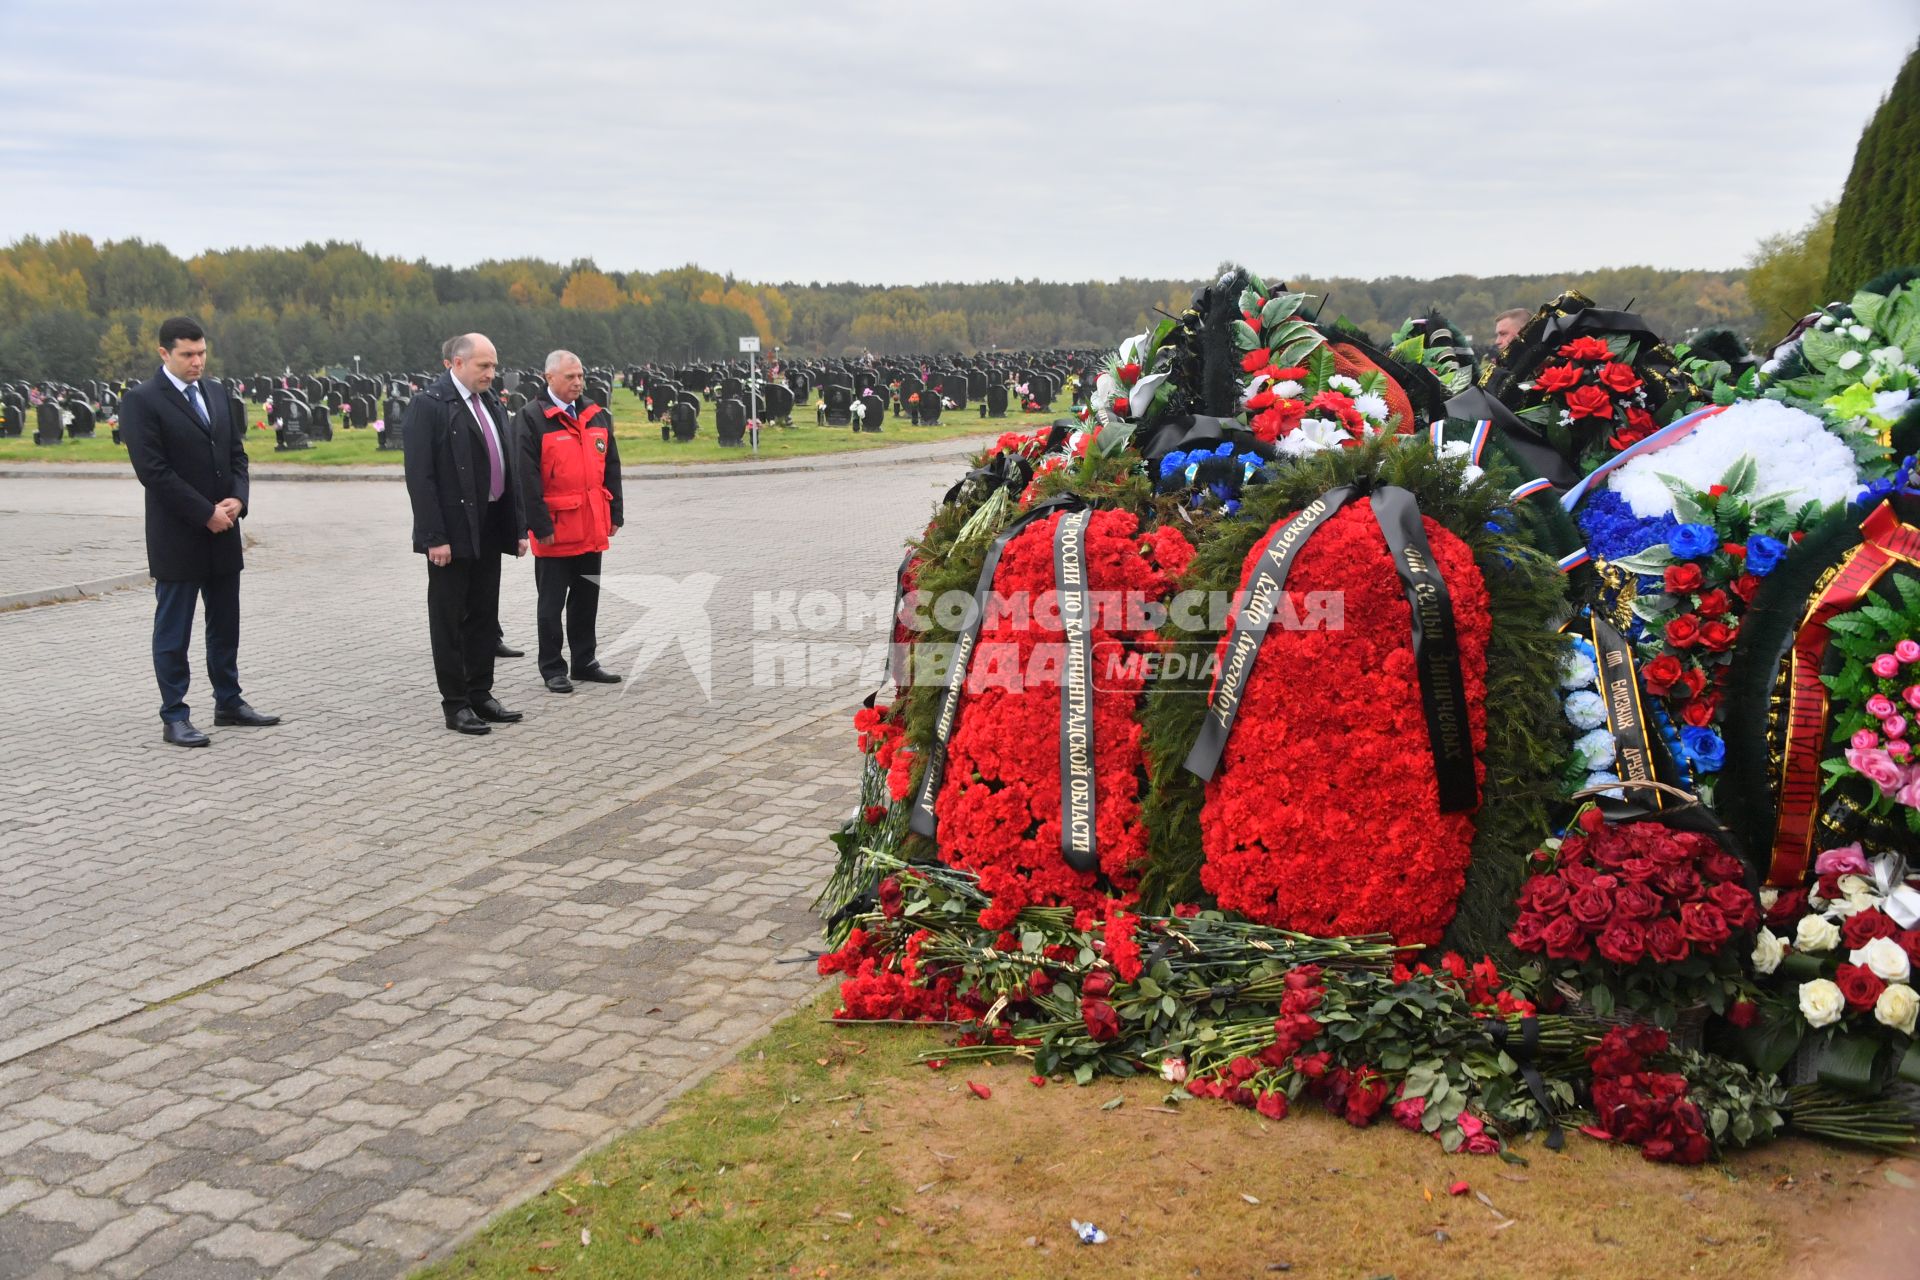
pixel 921 821
pixel 1526 1056
pixel 1077 791
pixel 1529 445
pixel 1436 642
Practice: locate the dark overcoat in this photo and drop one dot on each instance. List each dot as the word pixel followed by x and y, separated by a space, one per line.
pixel 446 459
pixel 186 468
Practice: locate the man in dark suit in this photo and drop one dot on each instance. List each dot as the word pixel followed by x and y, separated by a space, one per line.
pixel 189 450
pixel 501 649
pixel 466 515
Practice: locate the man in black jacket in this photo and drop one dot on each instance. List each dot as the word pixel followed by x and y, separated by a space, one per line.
pixel 466 515
pixel 188 448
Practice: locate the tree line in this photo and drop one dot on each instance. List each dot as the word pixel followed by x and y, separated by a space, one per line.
pixel 73 308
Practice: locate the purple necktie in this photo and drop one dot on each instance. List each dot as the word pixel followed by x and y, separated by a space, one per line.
pixel 496 477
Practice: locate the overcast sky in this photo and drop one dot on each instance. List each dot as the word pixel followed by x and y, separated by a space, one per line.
pixel 897 142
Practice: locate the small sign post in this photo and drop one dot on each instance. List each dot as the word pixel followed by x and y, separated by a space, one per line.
pixel 751 346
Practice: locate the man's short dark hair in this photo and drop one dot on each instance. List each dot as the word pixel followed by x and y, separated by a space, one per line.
pixel 180 329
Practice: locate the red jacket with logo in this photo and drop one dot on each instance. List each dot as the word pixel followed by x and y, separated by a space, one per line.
pixel 570 478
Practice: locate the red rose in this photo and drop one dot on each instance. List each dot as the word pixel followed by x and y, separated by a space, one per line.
pixel 1860 985
pixel 1736 903
pixel 1586 349
pixel 1743 1013
pixel 1718 637
pixel 1684 631
pixel 1745 586
pixel 1721 865
pixel 1619 377
pixel 1129 374
pixel 1097 984
pixel 1546 894
pixel 1591 906
pixel 1695 680
pixel 1704 924
pixel 1634 901
pixel 1662 673
pixel 1564 939
pixel 1122 405
pixel 1788 907
pixel 1665 942
pixel 1589 402
pixel 1678 880
pixel 1698 713
pixel 1256 360
pixel 1557 377
pixel 1715 603
pixel 1103 1024
pixel 1684 579
pixel 1909 940
pixel 1864 926
pixel 1623 942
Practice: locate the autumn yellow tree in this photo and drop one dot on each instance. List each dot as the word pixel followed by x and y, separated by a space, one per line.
pixel 591 291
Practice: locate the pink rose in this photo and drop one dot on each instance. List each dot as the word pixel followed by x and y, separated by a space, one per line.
pixel 1878 767
pixel 1912 696
pixel 1909 793
pixel 1865 740
pixel 1907 651
pixel 1895 726
pixel 1880 706
pixel 1846 860
pixel 1898 749
pixel 1886 667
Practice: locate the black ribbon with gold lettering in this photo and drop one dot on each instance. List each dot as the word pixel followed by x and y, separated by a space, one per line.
pixel 922 821
pixel 1253 612
pixel 1626 716
pixel 1436 647
pixel 1077 797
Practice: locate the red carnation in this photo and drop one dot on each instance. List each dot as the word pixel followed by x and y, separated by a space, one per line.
pixel 1619 377
pixel 1662 674
pixel 1860 985
pixel 1586 349
pixel 1589 402
pixel 1557 377
pixel 1683 579
pixel 1256 360
pixel 1684 631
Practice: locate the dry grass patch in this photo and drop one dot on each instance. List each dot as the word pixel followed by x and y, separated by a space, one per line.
pixel 825 1152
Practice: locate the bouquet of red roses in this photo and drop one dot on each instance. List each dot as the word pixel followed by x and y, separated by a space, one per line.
pixel 1647 1109
pixel 1644 913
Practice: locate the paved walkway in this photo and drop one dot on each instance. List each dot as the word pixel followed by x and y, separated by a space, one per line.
pixel 305 1002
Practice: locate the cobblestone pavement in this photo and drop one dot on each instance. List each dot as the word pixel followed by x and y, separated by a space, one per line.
pixel 303 1003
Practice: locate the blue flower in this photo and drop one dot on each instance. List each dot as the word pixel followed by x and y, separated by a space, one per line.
pixel 1172 463
pixel 1613 531
pixel 1764 554
pixel 1691 541
pixel 1704 748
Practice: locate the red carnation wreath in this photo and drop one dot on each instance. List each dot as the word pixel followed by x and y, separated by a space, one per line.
pixel 1324 815
pixel 999 808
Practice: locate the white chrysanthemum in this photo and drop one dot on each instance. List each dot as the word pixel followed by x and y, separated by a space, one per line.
pixel 1577 671
pixel 1372 407
pixel 1341 382
pixel 1312 436
pixel 1796 456
pixel 1288 390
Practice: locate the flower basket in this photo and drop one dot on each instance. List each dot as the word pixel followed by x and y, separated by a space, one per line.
pixel 1689 1021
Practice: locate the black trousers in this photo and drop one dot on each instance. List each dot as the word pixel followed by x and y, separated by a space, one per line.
pixel 567 586
pixel 463 620
pixel 173 630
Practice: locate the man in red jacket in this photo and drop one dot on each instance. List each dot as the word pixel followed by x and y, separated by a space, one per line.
pixel 571 489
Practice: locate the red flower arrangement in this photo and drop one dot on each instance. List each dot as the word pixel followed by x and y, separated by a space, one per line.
pixel 999 809
pixel 884 738
pixel 1648 1109
pixel 889 986
pixel 1592 399
pixel 1325 813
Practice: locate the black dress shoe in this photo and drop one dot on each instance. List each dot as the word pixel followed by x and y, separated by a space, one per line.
pixel 181 733
pixel 501 649
pixel 464 721
pixel 559 684
pixel 489 708
pixel 242 714
pixel 597 674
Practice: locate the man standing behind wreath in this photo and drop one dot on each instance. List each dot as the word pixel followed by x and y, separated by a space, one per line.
pixel 466 515
pixel 570 481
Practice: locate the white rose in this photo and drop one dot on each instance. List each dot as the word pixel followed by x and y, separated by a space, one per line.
pixel 1885 957
pixel 1850 359
pixel 1858 902
pixel 1816 933
pixel 1854 885
pixel 1768 899
pixel 1767 952
pixel 1898 1007
pixel 1821 1003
